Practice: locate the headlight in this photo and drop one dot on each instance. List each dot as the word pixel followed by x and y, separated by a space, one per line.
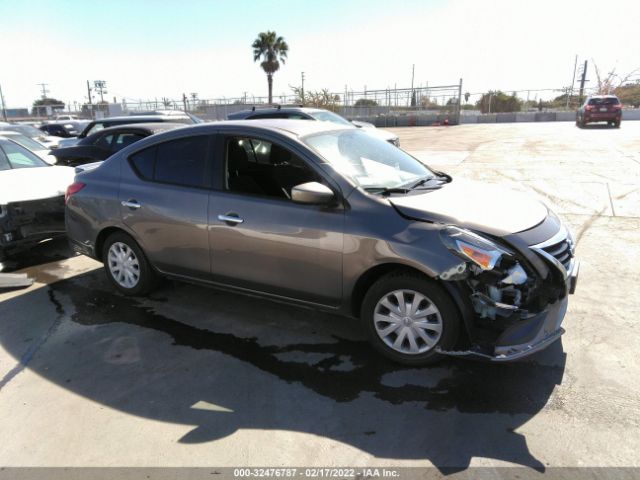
pixel 479 250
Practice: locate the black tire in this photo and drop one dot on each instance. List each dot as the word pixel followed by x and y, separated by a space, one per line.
pixel 616 124
pixel 147 280
pixel 449 315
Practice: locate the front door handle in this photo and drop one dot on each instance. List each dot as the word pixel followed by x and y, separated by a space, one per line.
pixel 132 204
pixel 234 219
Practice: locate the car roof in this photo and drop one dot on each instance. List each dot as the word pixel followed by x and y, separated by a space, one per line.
pixel 603 96
pixel 296 128
pixel 139 118
pixel 269 110
pixel 149 127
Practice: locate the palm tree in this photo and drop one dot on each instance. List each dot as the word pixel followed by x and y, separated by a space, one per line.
pixel 272 50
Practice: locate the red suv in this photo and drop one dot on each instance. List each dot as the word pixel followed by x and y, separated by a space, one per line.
pixel 600 108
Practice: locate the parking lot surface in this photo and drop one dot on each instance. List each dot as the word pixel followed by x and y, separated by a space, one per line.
pixel 193 377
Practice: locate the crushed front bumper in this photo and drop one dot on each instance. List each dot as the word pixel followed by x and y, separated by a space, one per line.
pixel 530 335
pixel 23 224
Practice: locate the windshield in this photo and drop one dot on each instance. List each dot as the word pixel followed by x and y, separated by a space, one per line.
pixel 325 116
pixel 27 130
pixel 14 156
pixel 27 142
pixel 370 162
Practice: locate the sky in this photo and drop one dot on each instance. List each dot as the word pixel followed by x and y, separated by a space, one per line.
pixel 146 49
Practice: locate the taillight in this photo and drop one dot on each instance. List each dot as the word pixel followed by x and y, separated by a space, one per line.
pixel 588 107
pixel 617 106
pixel 72 189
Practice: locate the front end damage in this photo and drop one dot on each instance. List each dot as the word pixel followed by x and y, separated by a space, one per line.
pixel 25 223
pixel 515 296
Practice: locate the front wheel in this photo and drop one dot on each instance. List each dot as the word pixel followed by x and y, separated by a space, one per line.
pixel 126 265
pixel 407 316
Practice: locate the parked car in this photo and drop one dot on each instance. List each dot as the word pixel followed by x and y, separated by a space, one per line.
pixel 302 113
pixel 32 132
pixel 101 145
pixel 66 118
pixel 331 217
pixel 30 144
pixel 31 198
pixel 97 125
pixel 170 113
pixel 66 129
pixel 600 108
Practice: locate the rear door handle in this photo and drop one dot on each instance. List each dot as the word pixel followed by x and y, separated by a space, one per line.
pixel 132 204
pixel 230 219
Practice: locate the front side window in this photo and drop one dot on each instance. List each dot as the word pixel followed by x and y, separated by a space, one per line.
pixel 15 156
pixel 179 162
pixel 104 141
pixel 368 161
pixel 96 128
pixel 261 167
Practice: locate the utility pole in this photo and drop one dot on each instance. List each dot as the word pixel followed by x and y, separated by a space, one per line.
pixel 194 100
pixel 583 80
pixel 184 101
pixel 101 87
pixel 302 88
pixel 4 109
pixel 573 81
pixel 89 99
pixel 44 89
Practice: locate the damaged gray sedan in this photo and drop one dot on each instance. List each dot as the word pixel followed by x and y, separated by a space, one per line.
pixel 332 218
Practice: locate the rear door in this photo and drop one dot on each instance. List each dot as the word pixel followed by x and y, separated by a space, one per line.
pixel 164 193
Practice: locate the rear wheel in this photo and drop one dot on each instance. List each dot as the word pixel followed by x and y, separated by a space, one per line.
pixel 616 123
pixel 126 265
pixel 407 316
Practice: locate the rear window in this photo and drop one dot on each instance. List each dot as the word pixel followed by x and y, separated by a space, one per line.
pixel 179 162
pixel 603 101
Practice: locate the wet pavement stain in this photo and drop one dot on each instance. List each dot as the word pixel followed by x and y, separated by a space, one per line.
pixel 469 387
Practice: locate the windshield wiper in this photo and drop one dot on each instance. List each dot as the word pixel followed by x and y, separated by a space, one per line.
pixel 424 181
pixel 387 190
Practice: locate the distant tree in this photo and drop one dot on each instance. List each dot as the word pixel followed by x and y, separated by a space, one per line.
pixel 497 102
pixel 629 94
pixel 272 50
pixel 319 99
pixel 452 101
pixel 612 80
pixel 39 106
pixel 365 102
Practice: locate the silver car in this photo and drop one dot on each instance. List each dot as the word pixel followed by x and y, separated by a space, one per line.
pixel 333 218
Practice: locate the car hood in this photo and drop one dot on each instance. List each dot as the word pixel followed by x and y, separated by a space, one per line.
pixel 22 184
pixel 477 206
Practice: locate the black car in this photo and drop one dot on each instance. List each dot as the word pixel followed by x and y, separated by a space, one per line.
pixel 600 108
pixel 101 145
pixel 63 130
pixel 97 125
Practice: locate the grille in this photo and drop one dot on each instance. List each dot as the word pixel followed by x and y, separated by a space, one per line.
pixel 561 251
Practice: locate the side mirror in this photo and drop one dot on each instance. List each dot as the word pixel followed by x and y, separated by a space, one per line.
pixel 312 193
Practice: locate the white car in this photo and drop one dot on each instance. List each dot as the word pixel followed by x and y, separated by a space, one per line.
pixel 32 132
pixel 31 198
pixel 30 144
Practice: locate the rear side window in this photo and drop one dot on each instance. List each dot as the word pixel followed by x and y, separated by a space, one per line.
pixel 144 162
pixel 179 162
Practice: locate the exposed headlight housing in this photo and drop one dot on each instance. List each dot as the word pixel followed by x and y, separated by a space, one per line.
pixel 471 246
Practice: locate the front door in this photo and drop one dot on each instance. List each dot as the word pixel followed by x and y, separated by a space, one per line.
pixel 260 239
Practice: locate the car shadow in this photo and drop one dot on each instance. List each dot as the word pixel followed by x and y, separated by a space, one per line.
pixel 225 362
pixel 50 251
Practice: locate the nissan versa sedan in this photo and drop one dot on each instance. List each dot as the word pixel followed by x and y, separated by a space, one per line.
pixel 332 218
